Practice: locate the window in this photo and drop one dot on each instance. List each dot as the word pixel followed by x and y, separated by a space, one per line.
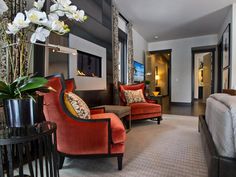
pixel 122 56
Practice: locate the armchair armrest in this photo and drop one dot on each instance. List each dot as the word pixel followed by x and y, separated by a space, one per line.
pixel 97 110
pixel 150 101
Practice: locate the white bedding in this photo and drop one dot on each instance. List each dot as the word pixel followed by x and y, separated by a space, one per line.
pixel 221 121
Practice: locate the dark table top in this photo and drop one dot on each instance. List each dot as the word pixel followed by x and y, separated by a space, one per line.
pixel 15 135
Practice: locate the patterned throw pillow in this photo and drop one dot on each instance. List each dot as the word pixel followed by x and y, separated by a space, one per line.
pixel 79 106
pixel 134 96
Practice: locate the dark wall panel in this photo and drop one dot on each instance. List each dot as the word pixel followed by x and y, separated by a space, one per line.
pixel 96 29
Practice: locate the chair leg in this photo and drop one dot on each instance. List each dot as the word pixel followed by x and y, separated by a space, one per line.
pixel 119 160
pixel 61 161
pixel 159 120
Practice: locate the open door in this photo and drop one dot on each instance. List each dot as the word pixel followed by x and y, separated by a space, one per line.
pixel 207 75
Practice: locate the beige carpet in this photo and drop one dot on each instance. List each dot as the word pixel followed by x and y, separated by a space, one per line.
pixel 172 149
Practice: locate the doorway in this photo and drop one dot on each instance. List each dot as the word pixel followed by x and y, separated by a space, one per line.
pixel 158 72
pixel 203 74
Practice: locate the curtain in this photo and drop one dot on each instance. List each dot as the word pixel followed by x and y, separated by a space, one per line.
pixel 130 54
pixel 6 74
pixel 115 53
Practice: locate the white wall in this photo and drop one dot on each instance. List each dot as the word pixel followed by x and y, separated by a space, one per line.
pixel 140 47
pixel 181 63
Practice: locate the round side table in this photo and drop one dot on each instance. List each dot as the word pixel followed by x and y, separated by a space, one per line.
pixel 29 151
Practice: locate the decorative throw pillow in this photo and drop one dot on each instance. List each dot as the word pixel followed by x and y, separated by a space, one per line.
pixel 79 106
pixel 134 96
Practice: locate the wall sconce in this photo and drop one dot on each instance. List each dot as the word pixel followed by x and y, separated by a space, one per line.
pixel 157 77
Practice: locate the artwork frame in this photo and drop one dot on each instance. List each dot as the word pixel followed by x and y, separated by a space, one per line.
pixel 225 78
pixel 226 47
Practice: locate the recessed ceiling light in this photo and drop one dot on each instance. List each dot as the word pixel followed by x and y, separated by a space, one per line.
pixel 156 37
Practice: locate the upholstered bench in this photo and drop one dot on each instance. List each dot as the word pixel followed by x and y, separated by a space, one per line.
pixel 123 112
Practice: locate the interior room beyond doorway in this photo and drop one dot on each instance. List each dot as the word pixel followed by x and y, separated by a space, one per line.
pixel 203 75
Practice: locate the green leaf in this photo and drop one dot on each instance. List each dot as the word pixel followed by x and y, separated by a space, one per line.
pixel 33 83
pixel 4 88
pixel 16 83
pixel 5 96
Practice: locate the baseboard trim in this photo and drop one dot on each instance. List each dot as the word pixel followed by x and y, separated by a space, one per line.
pixel 181 104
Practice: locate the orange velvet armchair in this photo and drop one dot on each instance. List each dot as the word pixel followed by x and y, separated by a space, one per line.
pixel 147 110
pixel 101 136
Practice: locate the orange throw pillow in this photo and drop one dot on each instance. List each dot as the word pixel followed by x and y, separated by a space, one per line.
pixel 76 106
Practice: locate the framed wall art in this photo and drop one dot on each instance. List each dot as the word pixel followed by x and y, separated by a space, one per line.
pixel 226 47
pixel 225 83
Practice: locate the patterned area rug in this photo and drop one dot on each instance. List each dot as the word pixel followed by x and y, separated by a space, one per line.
pixel 172 149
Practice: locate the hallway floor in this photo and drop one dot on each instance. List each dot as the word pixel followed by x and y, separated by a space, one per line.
pixel 196 109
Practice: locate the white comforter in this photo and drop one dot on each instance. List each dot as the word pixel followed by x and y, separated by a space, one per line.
pixel 221 121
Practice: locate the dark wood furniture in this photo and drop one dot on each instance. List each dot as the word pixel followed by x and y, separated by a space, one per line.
pixel 218 166
pixel 32 146
pixel 230 91
pixel 157 99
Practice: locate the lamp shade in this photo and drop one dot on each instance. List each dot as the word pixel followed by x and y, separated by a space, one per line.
pixel 157 77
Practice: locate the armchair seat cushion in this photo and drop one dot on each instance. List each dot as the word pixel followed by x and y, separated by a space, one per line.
pixel 144 108
pixel 117 127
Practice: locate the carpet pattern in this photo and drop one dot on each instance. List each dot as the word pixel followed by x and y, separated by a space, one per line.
pixel 171 149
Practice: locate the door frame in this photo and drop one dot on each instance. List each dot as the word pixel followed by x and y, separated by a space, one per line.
pixel 205 49
pixel 169 68
pixel 220 66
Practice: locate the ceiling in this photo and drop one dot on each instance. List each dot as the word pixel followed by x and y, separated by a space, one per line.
pixel 173 19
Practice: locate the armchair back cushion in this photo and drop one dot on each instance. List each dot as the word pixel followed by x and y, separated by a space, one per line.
pixel 122 88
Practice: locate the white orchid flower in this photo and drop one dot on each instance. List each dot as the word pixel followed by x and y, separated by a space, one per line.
pixel 40 34
pixel 58 9
pixel 20 21
pixel 12 29
pixel 69 11
pixel 51 17
pixel 39 4
pixel 79 15
pixel 64 3
pixel 3 7
pixel 59 26
pixel 36 17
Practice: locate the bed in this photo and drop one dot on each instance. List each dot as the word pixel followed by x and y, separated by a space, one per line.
pixel 218 135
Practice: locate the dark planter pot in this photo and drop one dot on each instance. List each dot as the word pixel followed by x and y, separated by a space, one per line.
pixel 23 112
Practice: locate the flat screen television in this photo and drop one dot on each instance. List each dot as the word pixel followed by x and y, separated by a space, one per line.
pixel 138 72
